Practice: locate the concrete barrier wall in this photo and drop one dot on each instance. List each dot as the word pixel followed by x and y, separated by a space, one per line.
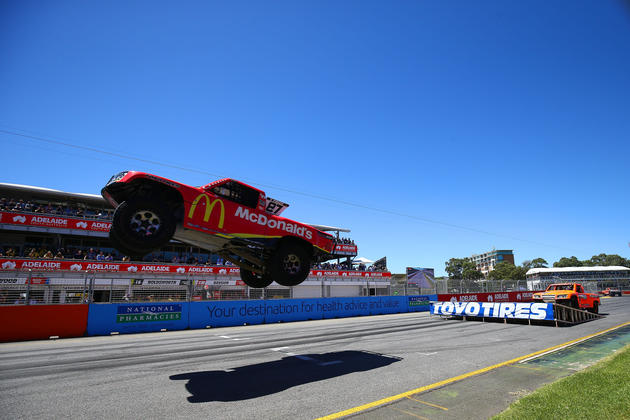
pixel 42 321
pixel 36 322
pixel 103 319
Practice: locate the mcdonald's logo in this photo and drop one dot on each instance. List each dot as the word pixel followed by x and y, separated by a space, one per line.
pixel 209 208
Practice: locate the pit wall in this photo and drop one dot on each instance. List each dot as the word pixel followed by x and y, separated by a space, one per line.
pixel 32 322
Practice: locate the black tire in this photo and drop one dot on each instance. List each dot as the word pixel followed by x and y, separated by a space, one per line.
pixel 142 226
pixel 595 308
pixel 290 264
pixel 574 303
pixel 124 250
pixel 255 280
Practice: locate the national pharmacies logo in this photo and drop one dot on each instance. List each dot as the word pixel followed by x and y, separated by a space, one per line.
pixel 419 301
pixel 149 313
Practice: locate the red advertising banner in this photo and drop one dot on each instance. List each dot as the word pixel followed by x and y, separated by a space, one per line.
pixel 344 249
pixel 32 322
pixel 139 268
pixel 51 221
pixel 525 296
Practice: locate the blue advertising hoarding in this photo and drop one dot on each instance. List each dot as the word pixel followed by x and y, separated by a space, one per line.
pixel 103 319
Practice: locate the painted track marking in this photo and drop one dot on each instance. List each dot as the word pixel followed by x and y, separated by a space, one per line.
pixel 428 403
pixel 397 397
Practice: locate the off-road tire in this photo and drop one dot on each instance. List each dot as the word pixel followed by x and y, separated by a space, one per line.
pixel 574 303
pixel 124 250
pixel 255 280
pixel 142 226
pixel 290 264
pixel 595 308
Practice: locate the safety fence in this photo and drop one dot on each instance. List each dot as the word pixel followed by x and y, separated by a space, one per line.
pixel 28 287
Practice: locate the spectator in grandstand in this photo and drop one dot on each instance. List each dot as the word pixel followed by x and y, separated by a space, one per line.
pixel 19 206
pixel 48 255
pixel 10 252
pixel 100 256
pixel 91 255
pixel 78 255
pixel 109 257
pixel 59 255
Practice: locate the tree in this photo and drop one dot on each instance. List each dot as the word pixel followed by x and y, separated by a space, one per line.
pixel 535 263
pixel 501 271
pixel 596 260
pixel 462 268
pixel 539 263
pixel 568 262
pixel 607 259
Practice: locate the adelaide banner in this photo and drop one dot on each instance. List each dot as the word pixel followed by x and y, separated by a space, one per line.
pixel 112 266
pixel 51 221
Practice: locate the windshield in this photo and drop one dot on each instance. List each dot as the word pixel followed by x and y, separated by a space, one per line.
pixel 561 287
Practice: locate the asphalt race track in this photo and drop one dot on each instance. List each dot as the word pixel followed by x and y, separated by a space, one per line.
pixel 296 370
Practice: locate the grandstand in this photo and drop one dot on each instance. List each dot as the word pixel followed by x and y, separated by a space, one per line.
pixel 58 241
pixel 604 276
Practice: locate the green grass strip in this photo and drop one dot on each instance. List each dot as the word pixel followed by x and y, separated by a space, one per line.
pixel 601 391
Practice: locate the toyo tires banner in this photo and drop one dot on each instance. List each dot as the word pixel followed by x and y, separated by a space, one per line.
pixel 513 310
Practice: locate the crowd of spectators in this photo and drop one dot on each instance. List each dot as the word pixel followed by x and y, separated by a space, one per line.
pixel 345 241
pixel 22 206
pixel 344 266
pixel 93 254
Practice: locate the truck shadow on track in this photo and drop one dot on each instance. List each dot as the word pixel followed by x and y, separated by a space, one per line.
pixel 253 381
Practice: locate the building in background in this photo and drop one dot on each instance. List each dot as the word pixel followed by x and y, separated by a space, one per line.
pixel 485 262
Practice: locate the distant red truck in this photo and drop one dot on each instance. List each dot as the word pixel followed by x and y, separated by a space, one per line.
pixel 227 217
pixel 611 291
pixel 569 294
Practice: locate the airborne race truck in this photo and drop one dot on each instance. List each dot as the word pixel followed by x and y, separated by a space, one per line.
pixel 569 294
pixel 229 218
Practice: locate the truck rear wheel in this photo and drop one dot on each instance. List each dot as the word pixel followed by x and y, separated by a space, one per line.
pixel 290 264
pixel 595 308
pixel 255 280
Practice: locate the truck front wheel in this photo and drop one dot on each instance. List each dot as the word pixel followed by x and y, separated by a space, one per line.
pixel 142 225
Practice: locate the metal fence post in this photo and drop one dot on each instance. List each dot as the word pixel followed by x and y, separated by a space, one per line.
pixel 111 289
pixel 83 293
pixel 28 287
pixel 90 296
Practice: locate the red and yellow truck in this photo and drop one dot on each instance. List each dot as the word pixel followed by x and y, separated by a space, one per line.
pixel 569 294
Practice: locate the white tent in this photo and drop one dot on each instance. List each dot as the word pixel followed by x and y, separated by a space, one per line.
pixel 361 260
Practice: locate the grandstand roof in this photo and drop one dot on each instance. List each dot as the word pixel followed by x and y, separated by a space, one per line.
pixel 324 228
pixel 552 270
pixel 31 192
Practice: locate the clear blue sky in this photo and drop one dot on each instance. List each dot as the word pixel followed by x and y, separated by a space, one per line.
pixel 507 122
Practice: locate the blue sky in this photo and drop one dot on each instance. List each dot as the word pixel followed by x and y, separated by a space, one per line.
pixel 430 129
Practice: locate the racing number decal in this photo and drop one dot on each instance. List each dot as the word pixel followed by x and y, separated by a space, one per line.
pixel 209 208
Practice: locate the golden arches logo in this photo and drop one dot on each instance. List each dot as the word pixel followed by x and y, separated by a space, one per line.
pixel 209 208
